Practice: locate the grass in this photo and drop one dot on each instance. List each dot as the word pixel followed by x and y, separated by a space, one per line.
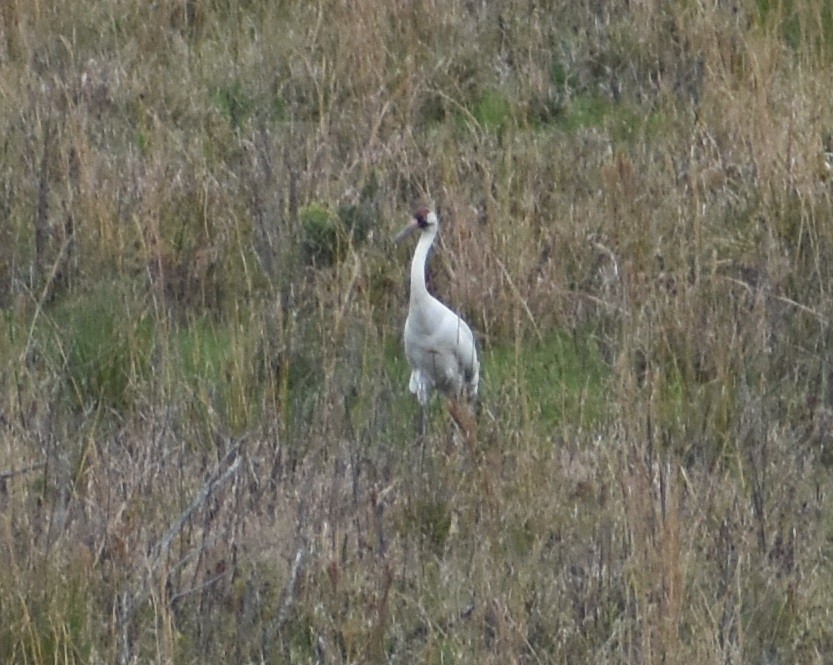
pixel 208 451
pixel 559 380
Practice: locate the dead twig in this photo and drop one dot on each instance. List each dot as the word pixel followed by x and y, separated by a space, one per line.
pixel 11 473
pixel 787 301
pixel 131 599
pixel 290 592
pixel 207 490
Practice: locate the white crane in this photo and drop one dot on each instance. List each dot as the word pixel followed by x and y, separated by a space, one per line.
pixel 438 343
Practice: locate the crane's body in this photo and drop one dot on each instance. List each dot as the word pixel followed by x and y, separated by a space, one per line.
pixel 439 345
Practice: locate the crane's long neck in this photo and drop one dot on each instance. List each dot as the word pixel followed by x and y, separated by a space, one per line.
pixel 418 288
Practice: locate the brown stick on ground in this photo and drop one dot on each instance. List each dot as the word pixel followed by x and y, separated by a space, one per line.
pixel 462 414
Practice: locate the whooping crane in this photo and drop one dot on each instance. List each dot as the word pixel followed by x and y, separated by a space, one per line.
pixel 438 343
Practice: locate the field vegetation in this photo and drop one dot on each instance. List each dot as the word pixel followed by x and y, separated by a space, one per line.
pixel 208 452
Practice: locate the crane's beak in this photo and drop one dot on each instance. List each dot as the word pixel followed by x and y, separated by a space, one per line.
pixel 404 233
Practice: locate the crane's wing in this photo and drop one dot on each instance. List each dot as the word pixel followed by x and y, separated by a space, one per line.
pixel 459 340
pixel 467 356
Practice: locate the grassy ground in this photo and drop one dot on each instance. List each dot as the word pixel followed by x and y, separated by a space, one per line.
pixel 207 448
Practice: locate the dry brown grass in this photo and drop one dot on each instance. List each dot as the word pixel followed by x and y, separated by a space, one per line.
pixel 208 450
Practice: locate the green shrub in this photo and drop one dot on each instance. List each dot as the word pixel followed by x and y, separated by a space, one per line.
pixel 323 238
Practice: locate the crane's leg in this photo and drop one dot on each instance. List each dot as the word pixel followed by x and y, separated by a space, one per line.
pixel 422 434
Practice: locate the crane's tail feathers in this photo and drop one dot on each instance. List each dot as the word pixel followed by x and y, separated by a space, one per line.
pixel 420 387
pixel 472 383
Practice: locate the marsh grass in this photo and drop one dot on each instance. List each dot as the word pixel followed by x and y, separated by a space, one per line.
pixel 208 450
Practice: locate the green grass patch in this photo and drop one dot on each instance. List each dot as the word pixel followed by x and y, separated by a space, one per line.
pixel 204 349
pixel 589 110
pixel 493 110
pixel 804 26
pixel 103 341
pixel 215 361
pixel 586 110
pixel 51 623
pixel 560 379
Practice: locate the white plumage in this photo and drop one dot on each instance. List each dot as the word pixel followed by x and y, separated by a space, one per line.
pixel 439 345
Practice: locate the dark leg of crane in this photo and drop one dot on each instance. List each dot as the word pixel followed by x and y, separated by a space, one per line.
pixel 423 426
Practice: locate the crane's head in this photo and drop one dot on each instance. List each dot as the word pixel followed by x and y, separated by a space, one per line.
pixel 423 219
